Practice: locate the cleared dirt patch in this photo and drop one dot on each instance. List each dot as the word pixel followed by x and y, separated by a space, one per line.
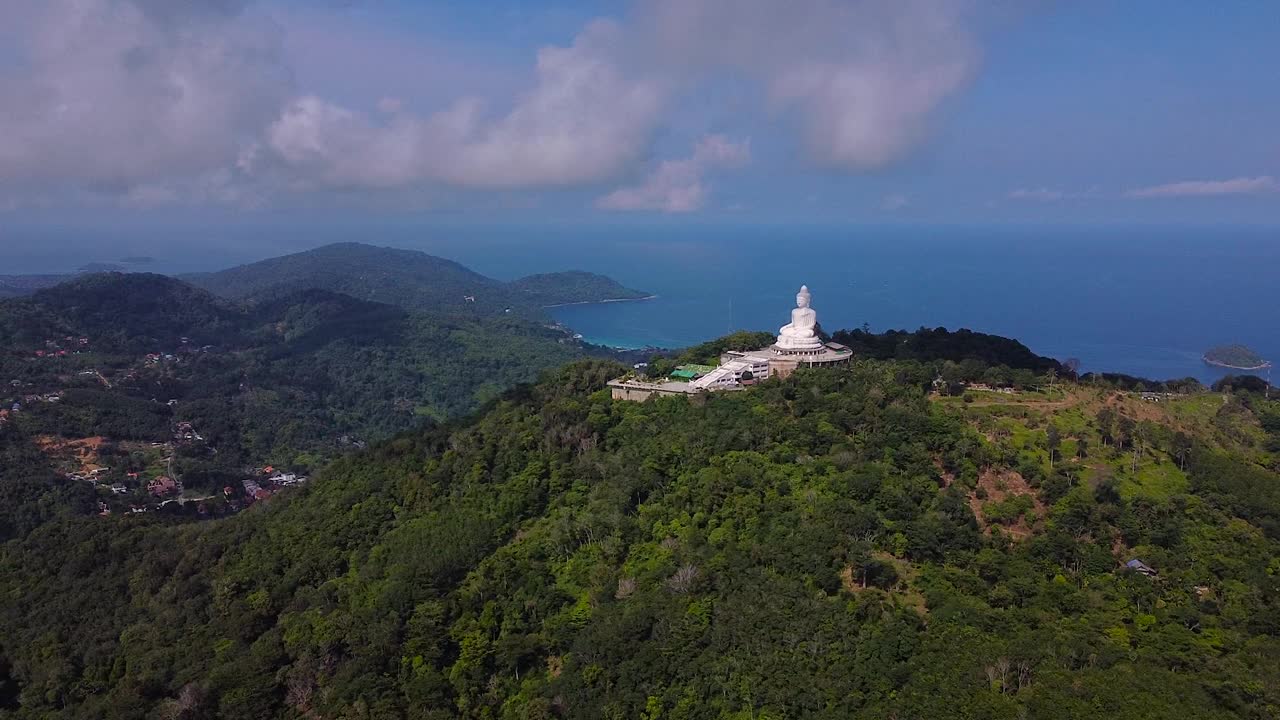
pixel 947 477
pixel 1000 485
pixel 83 452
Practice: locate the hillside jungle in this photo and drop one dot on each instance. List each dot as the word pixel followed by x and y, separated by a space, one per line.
pixel 123 379
pixel 905 538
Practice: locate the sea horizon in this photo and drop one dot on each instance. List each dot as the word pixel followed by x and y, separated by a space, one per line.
pixel 1141 300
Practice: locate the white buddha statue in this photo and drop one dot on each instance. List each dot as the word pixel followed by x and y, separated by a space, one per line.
pixel 801 333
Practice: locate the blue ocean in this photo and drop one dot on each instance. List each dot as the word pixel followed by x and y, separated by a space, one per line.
pixel 1144 301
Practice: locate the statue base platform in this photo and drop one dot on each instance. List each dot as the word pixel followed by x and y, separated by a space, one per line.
pixel 783 360
pixel 814 348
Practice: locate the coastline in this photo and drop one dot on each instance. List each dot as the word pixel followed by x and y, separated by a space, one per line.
pixel 1215 363
pixel 598 302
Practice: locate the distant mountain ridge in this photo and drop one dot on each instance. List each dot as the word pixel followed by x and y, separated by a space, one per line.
pixel 406 278
pixel 19 285
pixel 409 279
pixel 132 310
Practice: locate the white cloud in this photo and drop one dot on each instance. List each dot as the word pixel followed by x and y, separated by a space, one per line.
pixel 865 75
pixel 1041 194
pixel 894 202
pixel 315 143
pixel 1046 194
pixel 676 186
pixel 148 196
pixel 1202 188
pixel 583 120
pixel 162 101
pixel 111 94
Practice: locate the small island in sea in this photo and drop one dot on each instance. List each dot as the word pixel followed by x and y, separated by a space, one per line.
pixel 574 287
pixel 1235 357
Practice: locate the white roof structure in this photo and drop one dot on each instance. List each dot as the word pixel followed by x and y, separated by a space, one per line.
pixel 726 374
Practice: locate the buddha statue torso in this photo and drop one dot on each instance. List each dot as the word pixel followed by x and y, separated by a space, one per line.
pixel 803 322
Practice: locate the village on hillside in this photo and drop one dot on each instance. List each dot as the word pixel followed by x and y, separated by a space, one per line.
pixel 130 476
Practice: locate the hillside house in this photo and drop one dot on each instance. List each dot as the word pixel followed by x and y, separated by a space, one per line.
pixel 1138 566
pixel 286 479
pixel 162 486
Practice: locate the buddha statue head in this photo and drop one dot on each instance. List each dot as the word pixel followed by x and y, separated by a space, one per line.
pixel 803 297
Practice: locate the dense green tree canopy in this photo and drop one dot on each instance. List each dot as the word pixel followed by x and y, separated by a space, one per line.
pixel 952 527
pixel 806 548
pixel 283 381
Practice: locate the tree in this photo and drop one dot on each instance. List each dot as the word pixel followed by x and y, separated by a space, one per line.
pixel 1106 419
pixel 1071 367
pixel 1125 428
pixel 1181 448
pixel 1053 441
pixel 1138 436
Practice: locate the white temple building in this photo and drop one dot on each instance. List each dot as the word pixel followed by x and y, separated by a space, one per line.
pixel 798 345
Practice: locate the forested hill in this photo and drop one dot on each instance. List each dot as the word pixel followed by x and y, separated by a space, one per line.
pixel 572 286
pixel 133 312
pixel 941 344
pixel 20 285
pixel 128 360
pixel 405 278
pixel 837 544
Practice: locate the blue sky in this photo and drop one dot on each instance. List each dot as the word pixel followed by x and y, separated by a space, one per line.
pixel 120 113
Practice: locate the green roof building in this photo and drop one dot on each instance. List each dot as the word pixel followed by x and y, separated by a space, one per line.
pixel 689 372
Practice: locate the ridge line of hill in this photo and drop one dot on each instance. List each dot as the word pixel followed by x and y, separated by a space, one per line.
pixel 409 279
pixel 406 278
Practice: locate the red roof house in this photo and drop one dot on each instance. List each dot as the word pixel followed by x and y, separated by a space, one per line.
pixel 162 486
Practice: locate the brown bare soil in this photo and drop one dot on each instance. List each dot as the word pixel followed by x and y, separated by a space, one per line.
pixel 846 580
pixel 83 451
pixel 947 477
pixel 1014 484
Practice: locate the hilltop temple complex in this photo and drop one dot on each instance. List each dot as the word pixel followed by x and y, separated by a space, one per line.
pixel 798 345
